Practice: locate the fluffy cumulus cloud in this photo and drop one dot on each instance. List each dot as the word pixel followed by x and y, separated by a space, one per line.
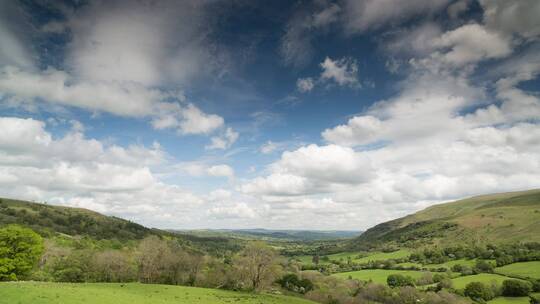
pixel 441 137
pixel 77 171
pixel 122 58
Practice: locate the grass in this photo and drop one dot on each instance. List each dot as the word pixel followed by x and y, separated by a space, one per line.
pixel 508 300
pixel 132 293
pixel 372 256
pixel 464 262
pixel 521 270
pixel 377 275
pixel 487 278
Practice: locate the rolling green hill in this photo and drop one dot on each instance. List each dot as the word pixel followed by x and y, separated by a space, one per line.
pixel 504 217
pixel 51 221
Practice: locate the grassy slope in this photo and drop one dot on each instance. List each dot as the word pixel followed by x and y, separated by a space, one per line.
pixel 501 217
pixel 103 293
pixel 50 220
pixel 521 270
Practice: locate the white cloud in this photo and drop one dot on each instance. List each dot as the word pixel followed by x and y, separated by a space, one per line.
pixel 342 71
pixel 75 171
pixel 472 43
pixel 367 15
pixel 268 147
pixel 305 84
pixel 234 211
pixel 224 141
pixel 296 44
pixel 221 171
pixel 513 17
pixel 359 129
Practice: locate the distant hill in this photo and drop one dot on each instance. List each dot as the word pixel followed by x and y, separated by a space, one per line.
pixel 503 217
pixel 50 221
pixel 276 235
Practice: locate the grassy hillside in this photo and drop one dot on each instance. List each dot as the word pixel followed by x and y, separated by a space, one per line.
pixel 505 217
pixel 51 221
pixel 132 293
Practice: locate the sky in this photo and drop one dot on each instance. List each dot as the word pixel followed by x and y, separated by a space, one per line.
pixel 269 114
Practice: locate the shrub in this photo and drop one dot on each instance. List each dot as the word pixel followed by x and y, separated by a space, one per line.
pixel 516 288
pixel 20 250
pixel 398 280
pixel 478 291
pixel 483 266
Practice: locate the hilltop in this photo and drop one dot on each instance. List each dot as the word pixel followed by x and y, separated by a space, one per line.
pixel 496 218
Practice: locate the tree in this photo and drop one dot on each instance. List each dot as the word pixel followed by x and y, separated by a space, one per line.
pixel 315 259
pixel 20 250
pixel 153 255
pixel 398 280
pixel 483 266
pixel 478 291
pixel 112 266
pixel 257 265
pixel 516 288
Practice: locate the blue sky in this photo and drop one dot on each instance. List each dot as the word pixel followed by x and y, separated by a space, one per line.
pixel 282 114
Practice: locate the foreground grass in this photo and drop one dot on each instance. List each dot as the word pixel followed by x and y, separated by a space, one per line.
pixel 521 270
pixel 132 293
pixel 377 275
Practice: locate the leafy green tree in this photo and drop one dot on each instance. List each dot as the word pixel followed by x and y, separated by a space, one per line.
pixel 20 250
pixel 516 288
pixel 478 291
pixel 398 280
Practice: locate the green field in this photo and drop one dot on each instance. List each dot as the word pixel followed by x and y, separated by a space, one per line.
pixel 377 275
pixel 372 256
pixel 508 300
pixel 464 262
pixel 521 270
pixel 132 293
pixel 461 282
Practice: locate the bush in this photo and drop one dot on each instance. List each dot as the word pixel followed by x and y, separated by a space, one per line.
pixel 20 250
pixel 398 280
pixel 483 266
pixel 478 291
pixel 516 288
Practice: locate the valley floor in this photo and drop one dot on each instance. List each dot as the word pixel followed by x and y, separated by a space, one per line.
pixel 130 293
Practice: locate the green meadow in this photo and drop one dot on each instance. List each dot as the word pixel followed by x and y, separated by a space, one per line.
pixel 354 256
pixel 487 278
pixel 377 275
pixel 132 293
pixel 521 270
pixel 509 300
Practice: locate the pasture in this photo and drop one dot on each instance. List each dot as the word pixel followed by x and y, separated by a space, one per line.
pixel 521 270
pixel 354 256
pixel 486 278
pixel 509 300
pixel 131 293
pixel 377 275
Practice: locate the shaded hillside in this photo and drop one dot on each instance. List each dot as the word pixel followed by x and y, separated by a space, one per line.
pixel 504 217
pixel 50 220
